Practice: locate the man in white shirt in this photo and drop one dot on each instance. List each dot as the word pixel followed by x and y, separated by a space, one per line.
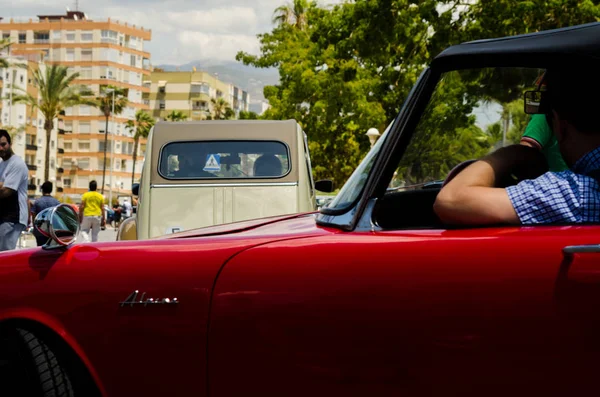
pixel 14 213
pixel 127 208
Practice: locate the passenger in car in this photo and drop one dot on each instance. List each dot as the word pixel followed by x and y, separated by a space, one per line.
pixel 267 165
pixel 479 195
pixel 191 166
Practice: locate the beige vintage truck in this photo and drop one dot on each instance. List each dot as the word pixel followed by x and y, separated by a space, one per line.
pixel 204 173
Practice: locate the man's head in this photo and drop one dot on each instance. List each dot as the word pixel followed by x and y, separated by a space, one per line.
pixel 573 117
pixel 47 187
pixel 93 186
pixel 5 145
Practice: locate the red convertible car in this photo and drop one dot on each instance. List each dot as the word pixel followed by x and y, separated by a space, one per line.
pixel 372 296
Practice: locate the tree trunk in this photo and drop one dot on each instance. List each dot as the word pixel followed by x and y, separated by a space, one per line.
pixel 104 166
pixel 135 146
pixel 49 126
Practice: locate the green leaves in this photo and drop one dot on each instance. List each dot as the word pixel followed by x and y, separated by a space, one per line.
pixel 346 68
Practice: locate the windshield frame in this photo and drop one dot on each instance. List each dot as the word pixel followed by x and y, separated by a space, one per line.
pixel 400 133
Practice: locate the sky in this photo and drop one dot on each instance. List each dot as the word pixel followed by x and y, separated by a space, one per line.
pixel 182 30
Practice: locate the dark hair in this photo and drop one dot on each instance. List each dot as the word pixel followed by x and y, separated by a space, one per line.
pixel 47 187
pixel 571 93
pixel 4 133
pixel 93 186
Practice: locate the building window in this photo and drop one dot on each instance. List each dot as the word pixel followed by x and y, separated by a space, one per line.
pixel 83 163
pixel 41 37
pixel 21 79
pixel 70 55
pixel 84 110
pixel 56 35
pixel 86 55
pixel 109 36
pixel 70 36
pixel 22 38
pixel 67 182
pixel 84 128
pixel 5 36
pixel 84 145
pixel 162 90
pixel 87 36
pixel 161 105
pixel 68 146
pixel 132 60
pixel 52 144
pixel 85 73
pixel 123 164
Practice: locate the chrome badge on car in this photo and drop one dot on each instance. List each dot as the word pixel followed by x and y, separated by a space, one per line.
pixel 131 300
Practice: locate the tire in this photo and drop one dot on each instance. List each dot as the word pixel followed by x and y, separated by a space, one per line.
pixel 31 368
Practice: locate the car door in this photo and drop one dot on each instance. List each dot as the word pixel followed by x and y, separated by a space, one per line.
pixel 422 312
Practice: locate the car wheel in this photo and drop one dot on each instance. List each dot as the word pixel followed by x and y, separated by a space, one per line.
pixel 28 367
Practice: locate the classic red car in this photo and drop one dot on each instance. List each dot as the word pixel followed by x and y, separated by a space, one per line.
pixel 371 296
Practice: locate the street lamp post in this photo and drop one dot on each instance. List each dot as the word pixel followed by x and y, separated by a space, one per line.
pixel 373 134
pixel 112 118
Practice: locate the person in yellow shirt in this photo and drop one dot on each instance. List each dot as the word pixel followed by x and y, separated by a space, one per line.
pixel 91 212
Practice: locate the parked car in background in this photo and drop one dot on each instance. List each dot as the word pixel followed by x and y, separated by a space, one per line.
pixel 205 173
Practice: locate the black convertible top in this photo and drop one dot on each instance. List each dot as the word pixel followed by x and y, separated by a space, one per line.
pixel 563 47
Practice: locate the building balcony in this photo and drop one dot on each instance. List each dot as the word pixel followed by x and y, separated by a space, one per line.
pixel 31 147
pixel 60 170
pixel 31 187
pixel 61 151
pixel 62 132
pixel 41 41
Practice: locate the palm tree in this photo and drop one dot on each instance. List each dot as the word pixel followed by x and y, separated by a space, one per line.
pixel 176 115
pixel 293 14
pixel 55 95
pixel 105 103
pixel 140 129
pixel 4 44
pixel 221 110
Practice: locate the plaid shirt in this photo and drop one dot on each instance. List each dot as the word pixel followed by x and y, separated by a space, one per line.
pixel 560 197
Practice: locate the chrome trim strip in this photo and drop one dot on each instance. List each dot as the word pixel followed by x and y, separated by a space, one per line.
pixel 225 184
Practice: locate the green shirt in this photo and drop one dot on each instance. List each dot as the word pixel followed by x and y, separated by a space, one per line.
pixel 539 130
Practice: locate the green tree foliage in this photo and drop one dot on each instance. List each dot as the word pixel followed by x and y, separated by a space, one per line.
pixel 221 110
pixel 248 115
pixel 176 115
pixel 347 68
pixel 57 91
pixel 140 128
pixel 112 100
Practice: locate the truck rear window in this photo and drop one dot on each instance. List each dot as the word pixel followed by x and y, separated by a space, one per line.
pixel 224 160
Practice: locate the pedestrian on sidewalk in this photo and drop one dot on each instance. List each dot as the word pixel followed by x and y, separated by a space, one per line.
pixel 46 201
pixel 14 208
pixel 91 213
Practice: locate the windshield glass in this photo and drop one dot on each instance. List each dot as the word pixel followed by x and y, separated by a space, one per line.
pixel 224 159
pixel 355 184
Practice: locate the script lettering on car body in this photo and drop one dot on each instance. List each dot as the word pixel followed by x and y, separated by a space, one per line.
pixel 132 300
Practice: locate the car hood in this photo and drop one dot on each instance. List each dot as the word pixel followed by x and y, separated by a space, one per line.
pixel 302 224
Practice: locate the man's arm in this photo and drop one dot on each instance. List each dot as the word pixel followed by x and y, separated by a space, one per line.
pixel 476 196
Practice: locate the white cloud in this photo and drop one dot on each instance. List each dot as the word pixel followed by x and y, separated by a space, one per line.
pixel 220 20
pixel 201 45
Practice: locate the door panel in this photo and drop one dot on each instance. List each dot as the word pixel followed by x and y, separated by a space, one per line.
pixel 463 312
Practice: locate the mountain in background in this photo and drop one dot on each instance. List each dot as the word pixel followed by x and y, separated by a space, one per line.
pixel 248 78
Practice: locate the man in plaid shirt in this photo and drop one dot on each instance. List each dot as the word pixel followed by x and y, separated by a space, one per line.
pixel 478 194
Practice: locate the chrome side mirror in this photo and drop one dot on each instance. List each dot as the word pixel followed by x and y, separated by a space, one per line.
pixel 60 224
